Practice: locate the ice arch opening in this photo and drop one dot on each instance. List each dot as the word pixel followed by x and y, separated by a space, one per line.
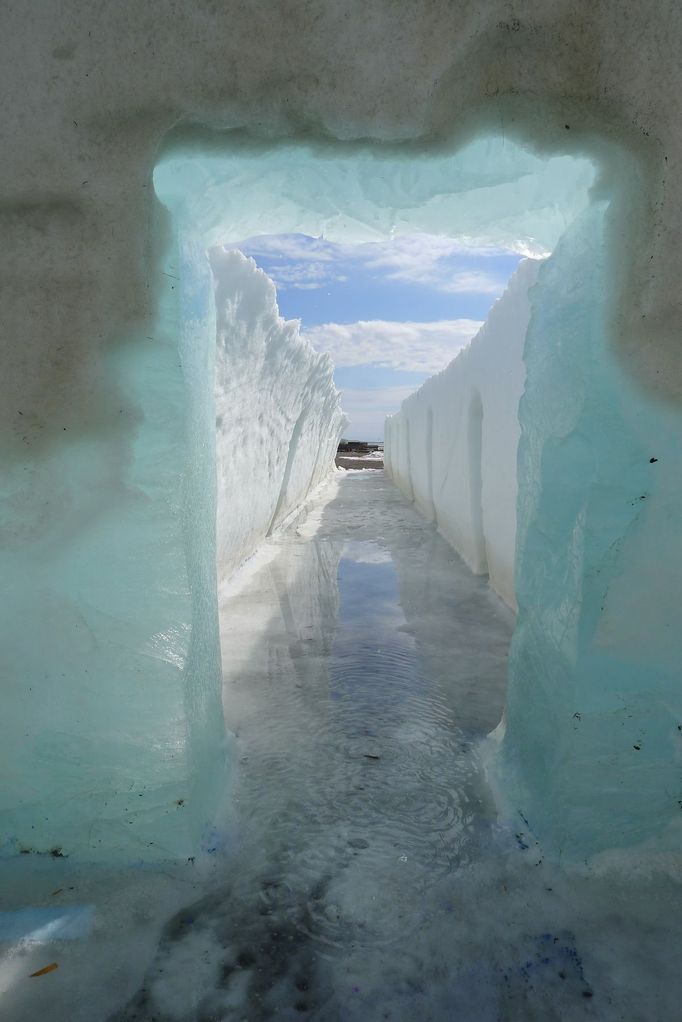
pixel 492 191
pixel 146 591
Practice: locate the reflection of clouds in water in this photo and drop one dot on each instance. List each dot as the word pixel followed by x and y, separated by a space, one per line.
pixel 366 552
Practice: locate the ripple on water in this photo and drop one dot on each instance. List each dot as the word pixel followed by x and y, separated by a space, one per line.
pixel 363 784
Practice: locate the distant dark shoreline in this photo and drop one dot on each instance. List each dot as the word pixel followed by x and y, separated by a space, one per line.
pixel 359 454
pixel 347 461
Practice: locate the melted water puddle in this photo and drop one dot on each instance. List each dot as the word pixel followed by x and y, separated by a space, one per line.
pixel 399 799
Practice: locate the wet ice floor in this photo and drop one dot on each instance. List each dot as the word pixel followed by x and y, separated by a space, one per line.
pixel 367 877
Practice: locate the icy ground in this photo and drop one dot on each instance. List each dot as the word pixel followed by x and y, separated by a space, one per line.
pixel 367 877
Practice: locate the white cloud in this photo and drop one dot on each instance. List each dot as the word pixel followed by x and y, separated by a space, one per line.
pixel 294 247
pixel 365 552
pixel 439 278
pixel 415 347
pixel 303 276
pixel 423 259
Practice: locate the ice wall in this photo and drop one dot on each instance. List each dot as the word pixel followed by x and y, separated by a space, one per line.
pixel 113 742
pixel 595 655
pixel 452 446
pixel 112 736
pixel 277 411
pixel 590 751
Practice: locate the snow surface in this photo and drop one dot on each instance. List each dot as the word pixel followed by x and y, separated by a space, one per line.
pixel 277 411
pixel 452 446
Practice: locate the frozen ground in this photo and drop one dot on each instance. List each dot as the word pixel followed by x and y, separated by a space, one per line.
pixel 367 877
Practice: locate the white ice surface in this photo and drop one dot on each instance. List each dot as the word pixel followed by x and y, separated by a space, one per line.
pixel 452 446
pixel 278 415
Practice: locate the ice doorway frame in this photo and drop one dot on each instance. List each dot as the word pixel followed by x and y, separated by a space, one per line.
pixel 206 181
pixel 195 195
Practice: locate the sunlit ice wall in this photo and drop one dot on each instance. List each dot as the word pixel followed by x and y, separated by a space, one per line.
pixel 278 415
pixel 452 447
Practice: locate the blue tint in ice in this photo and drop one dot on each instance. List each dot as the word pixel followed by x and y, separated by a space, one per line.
pixel 491 192
pixel 40 925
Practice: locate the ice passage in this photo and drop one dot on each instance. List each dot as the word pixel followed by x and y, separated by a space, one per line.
pixel 161 423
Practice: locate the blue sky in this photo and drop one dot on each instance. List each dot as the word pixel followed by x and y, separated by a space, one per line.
pixel 389 313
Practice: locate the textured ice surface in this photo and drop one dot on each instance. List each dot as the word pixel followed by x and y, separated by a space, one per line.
pixel 108 635
pixel 277 411
pixel 492 191
pixel 452 446
pixel 77 200
pixel 368 876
